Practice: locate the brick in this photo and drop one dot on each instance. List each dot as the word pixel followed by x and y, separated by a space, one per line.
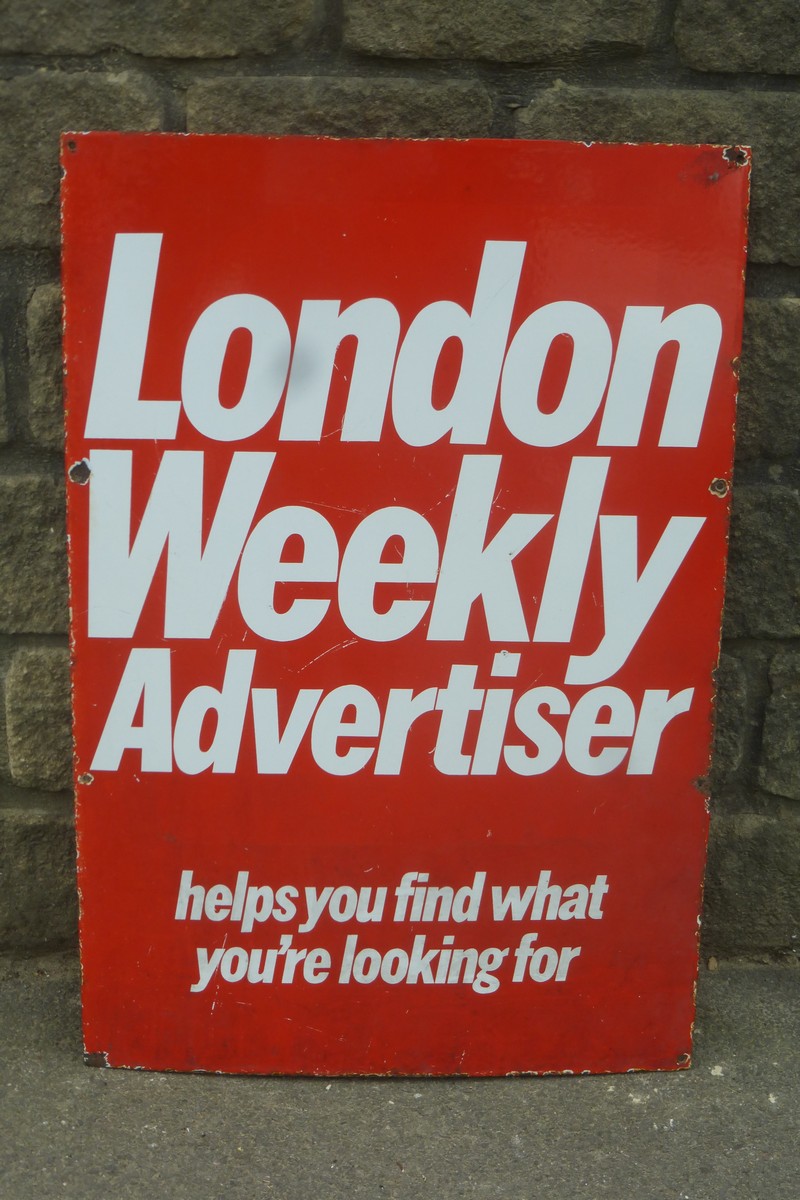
pixel 38 720
pixel 180 29
pixel 339 107
pixel 768 419
pixel 34 109
pixel 739 35
pixel 505 31
pixel 38 897
pixel 5 424
pixel 763 592
pixel 766 121
pixel 752 896
pixel 5 769
pixel 779 772
pixel 33 570
pixel 45 414
pixel 730 717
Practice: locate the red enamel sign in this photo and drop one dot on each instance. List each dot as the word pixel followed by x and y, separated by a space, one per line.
pixel 398 505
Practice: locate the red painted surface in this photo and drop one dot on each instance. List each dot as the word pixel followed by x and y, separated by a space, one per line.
pixel 608 231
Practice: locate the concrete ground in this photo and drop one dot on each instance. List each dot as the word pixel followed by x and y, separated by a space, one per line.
pixel 725 1130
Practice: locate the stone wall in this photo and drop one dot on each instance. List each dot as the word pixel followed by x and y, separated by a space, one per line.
pixel 695 70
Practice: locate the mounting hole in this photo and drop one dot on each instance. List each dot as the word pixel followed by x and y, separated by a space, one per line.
pixel 736 156
pixel 72 145
pixel 79 472
pixel 718 487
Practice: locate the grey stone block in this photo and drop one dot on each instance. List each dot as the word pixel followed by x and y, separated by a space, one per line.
pixel 752 897
pixel 730 717
pixel 45 413
pixel 763 592
pixel 505 31
pixel 339 107
pixel 5 423
pixel 768 419
pixel 33 554
pixel 180 29
pixel 38 897
pixel 766 121
pixel 739 35
pixel 780 751
pixel 34 109
pixel 38 719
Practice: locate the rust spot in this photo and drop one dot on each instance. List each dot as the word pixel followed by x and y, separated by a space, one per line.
pixel 86 779
pixel 735 156
pixel 79 472
pixel 718 487
pixel 98 1059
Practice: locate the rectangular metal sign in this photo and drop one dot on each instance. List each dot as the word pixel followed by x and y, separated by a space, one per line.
pixel 398 502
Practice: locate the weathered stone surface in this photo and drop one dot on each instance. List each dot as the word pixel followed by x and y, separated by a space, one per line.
pixel 33 568
pixel 180 29
pixel 780 750
pixel 45 413
pixel 739 35
pixel 730 717
pixel 34 109
pixel 38 720
pixel 768 421
pixel 339 107
pixel 766 121
pixel 5 424
pixel 38 897
pixel 5 770
pixel 763 593
pixel 752 897
pixel 505 31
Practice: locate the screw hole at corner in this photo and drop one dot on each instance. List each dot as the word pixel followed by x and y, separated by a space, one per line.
pixel 736 156
pixel 718 487
pixel 79 472
pixel 72 145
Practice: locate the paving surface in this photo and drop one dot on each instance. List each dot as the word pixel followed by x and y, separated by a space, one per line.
pixel 725 1130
